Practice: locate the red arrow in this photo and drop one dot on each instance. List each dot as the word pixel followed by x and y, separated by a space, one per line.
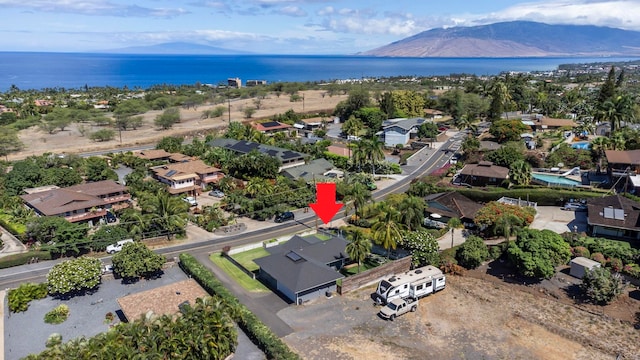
pixel 326 206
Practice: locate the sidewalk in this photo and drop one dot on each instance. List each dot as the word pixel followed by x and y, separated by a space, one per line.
pixel 459 237
pixel 11 245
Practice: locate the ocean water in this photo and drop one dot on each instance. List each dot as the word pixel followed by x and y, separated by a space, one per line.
pixel 30 70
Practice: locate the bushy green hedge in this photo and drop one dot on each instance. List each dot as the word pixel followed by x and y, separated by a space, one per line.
pixel 544 196
pixel 23 258
pixel 19 298
pixel 17 229
pixel 255 329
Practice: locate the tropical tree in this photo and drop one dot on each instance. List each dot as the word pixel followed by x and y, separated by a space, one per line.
pixel 472 252
pixel 412 212
pixel 171 144
pixel 9 141
pixel 387 229
pixel 520 173
pixel 165 213
pixel 258 186
pixel 598 147
pixel 168 118
pixel 359 195
pixel 423 246
pixel 74 276
pixel 358 248
pixel 601 286
pixel 536 253
pixel 136 260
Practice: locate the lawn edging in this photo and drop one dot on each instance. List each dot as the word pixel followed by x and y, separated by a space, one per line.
pixel 256 330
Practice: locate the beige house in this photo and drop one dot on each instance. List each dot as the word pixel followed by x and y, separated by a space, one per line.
pixel 189 177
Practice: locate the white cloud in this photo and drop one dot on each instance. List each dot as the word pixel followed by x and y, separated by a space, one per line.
pixel 92 7
pixel 292 11
pixel 616 13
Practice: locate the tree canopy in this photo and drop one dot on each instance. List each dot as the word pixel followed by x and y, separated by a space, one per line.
pixel 137 260
pixel 74 276
pixel 536 253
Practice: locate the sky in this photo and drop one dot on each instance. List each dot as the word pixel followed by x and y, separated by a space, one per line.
pixel 323 27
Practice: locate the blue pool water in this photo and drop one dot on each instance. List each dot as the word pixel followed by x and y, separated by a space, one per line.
pixel 583 145
pixel 549 179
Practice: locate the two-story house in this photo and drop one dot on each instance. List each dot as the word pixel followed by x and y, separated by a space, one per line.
pixel 400 131
pixel 288 158
pixel 78 203
pixel 189 177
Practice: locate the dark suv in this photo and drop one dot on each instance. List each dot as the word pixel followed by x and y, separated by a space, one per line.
pixel 285 216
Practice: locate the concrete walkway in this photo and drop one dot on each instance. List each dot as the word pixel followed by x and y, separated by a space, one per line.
pixel 11 245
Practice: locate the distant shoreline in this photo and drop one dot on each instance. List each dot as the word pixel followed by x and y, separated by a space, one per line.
pixel 33 71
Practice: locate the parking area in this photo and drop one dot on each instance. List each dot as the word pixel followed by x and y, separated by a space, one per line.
pixel 560 221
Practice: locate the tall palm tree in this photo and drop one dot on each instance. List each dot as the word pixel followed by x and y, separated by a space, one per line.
pixel 412 212
pixel 359 195
pixel 374 152
pixel 359 247
pixel 258 186
pixel 506 223
pixel 520 173
pixel 387 229
pixel 598 147
pixel 166 212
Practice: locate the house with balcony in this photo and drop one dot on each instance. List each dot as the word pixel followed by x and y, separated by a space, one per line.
pixel 287 158
pixel 88 202
pixel 400 131
pixel 189 177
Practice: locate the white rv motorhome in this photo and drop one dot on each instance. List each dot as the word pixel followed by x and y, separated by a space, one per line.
pixel 413 284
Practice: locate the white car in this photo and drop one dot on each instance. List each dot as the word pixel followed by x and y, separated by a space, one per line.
pixel 191 200
pixel 114 248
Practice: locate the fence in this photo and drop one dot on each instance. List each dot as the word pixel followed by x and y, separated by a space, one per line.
pixel 237 264
pixel 371 276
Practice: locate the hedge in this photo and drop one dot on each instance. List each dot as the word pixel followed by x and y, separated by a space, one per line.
pixel 544 196
pixel 23 258
pixel 256 330
pixel 17 229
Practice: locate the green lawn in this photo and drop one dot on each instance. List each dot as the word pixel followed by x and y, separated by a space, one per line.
pixel 365 265
pixel 246 257
pixel 238 275
pixel 323 237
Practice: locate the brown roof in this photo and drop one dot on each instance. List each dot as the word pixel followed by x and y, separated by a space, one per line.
pixel 153 154
pixel 459 205
pixel 339 150
pixel 164 300
pixel 271 125
pixel 631 157
pixel 184 170
pixel 485 169
pixel 596 212
pixel 59 201
pixel 551 122
pixel 98 188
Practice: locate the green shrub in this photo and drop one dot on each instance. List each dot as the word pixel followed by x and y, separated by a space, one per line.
pixel 19 299
pixel 615 264
pixel 23 258
pixel 599 258
pixel 580 251
pixel 58 315
pixel 258 332
pixel 472 252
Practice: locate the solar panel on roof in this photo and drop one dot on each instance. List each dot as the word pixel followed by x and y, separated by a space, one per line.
pixel 608 213
pixel 270 124
pixel 171 173
pixel 618 214
pixel 293 256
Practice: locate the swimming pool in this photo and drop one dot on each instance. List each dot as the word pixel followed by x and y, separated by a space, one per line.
pixel 582 145
pixel 557 180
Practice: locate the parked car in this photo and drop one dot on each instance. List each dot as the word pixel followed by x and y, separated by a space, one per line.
pixel 371 185
pixel 216 193
pixel 396 308
pixel 114 248
pixel 191 200
pixel 285 216
pixel 111 218
pixel 574 206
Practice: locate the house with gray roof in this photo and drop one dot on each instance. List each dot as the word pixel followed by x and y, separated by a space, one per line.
pixel 288 158
pixel 400 131
pixel 304 268
pixel 614 216
pixel 315 170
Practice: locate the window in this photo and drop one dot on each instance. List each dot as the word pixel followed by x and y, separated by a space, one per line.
pixel 420 287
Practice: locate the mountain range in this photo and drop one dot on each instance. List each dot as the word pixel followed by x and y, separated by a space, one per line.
pixel 176 48
pixel 515 39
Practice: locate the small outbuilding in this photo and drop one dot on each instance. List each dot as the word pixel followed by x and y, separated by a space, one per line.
pixel 580 265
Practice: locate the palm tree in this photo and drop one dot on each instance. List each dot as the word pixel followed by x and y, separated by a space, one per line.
pixel 412 212
pixel 358 248
pixel 387 230
pixel 166 212
pixel 520 173
pixel 506 223
pixel 598 147
pixel 359 194
pixel 258 186
pixel 374 152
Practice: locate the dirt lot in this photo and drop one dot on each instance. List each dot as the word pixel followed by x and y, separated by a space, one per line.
pixel 70 140
pixel 471 319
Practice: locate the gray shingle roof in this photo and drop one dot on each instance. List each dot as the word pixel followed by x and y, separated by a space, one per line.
pixel 245 147
pixel 307 267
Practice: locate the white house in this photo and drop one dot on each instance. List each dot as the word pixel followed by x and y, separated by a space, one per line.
pixel 400 131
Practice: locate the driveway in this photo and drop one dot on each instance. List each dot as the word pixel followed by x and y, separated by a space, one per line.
pixel 559 221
